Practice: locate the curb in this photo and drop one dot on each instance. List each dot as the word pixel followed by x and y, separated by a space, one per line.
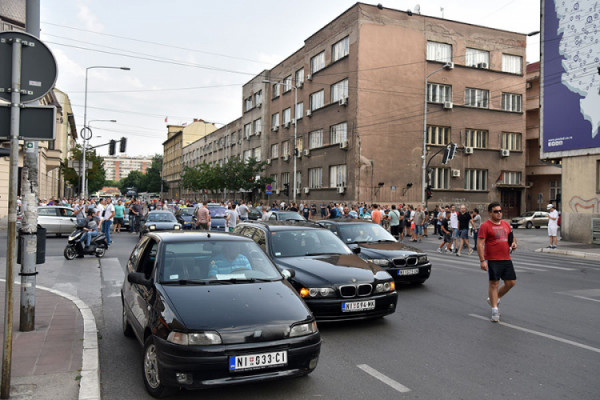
pixel 572 253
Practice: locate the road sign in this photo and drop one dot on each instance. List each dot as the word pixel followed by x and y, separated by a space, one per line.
pixel 36 122
pixel 268 189
pixel 38 67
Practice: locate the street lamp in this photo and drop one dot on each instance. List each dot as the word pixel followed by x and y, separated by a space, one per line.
pixel 448 66
pixel 86 132
pixel 295 132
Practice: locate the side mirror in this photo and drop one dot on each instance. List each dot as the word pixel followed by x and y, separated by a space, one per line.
pixel 139 278
pixel 288 273
pixel 356 250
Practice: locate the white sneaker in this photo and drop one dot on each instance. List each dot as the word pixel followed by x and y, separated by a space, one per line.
pixel 490 302
pixel 495 315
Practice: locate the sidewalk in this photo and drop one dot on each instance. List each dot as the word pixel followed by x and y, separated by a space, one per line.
pixel 574 249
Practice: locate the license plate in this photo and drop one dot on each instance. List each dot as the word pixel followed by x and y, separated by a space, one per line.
pixel 257 361
pixel 411 271
pixel 358 306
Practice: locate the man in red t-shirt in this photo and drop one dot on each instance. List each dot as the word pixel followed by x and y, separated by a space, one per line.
pixel 494 234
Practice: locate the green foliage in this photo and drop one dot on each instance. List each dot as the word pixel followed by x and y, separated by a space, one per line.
pixel 96 175
pixel 149 182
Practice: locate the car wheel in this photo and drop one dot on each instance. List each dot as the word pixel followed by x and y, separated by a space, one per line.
pixel 70 253
pixel 529 225
pixel 151 370
pixel 127 329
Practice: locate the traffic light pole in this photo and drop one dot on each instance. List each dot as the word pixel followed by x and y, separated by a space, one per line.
pixel 427 169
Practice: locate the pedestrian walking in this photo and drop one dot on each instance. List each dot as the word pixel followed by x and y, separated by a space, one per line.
pixel 419 220
pixel 454 227
pixel 232 218
pixel 394 216
pixel 243 210
pixel 107 219
pixel 493 248
pixel 119 216
pixel 202 218
pixel 552 226
pixel 464 218
pixel 135 213
pixel 446 233
pixel 475 223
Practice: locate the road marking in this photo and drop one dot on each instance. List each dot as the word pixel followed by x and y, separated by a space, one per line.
pixel 548 266
pixel 587 298
pixel 515 263
pixel 387 380
pixel 545 335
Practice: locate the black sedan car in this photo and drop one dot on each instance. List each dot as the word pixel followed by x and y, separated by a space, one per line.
pixel 211 309
pixel 159 220
pixel 185 216
pixel 405 263
pixel 334 282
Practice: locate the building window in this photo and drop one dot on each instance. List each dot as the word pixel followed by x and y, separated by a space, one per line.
pixel 511 177
pixel 477 97
pixel 476 179
pixel 247 155
pixel 317 63
pixel 315 178
pixel 299 110
pixel 275 120
pixel 440 178
pixel 299 144
pixel 258 98
pixel 257 153
pixel 247 131
pixel 232 140
pixel 476 138
pixel 285 178
pixel 287 84
pixel 511 102
pixel 510 141
pixel 274 181
pixel 337 176
pixel 287 116
pixel 315 139
pixel 299 76
pixel 438 135
pixel 274 150
pixel 512 64
pixel 437 93
pixel 285 148
pixel 248 104
pixel 338 133
pixel 339 91
pixel 257 126
pixel 276 90
pixel 555 186
pixel 317 100
pixel 340 49
pixel 439 52
pixel 477 58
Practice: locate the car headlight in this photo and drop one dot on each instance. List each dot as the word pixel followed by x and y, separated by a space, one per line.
pixel 385 287
pixel 379 261
pixel 316 292
pixel 303 329
pixel 195 339
pixel 176 227
pixel 152 228
pixel 422 259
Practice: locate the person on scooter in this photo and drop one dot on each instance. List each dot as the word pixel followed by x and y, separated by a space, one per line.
pixel 91 228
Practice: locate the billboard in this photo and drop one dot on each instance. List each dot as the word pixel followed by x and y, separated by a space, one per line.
pixel 570 79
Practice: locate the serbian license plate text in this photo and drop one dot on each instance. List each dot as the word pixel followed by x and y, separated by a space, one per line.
pixel 358 306
pixel 411 271
pixel 257 361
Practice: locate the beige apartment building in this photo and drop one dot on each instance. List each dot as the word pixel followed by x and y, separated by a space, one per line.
pixel 118 167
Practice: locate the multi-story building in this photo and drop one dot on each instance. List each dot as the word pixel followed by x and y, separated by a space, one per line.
pixel 353 99
pixel 118 167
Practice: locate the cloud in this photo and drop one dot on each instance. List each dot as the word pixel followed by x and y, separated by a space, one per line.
pixel 89 19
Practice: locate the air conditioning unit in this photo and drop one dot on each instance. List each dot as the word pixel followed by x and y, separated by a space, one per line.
pixel 306 152
pixel 257 133
pixel 269 161
pixel 277 191
pixel 286 157
pixel 286 125
pixel 341 189
pixel 343 101
pixel 468 150
pixel 482 65
pixel 259 105
pixel 306 190
pixel 456 173
pixel 344 145
pixel 448 105
pixel 309 77
pixel 504 153
pixel 275 128
pixel 299 84
pixel 308 113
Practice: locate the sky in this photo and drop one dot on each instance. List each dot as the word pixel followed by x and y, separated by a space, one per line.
pixel 190 58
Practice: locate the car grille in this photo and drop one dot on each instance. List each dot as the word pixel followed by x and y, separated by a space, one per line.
pixel 405 262
pixel 361 290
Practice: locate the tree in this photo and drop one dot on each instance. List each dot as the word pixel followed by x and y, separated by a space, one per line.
pixel 153 176
pixel 136 179
pixel 96 175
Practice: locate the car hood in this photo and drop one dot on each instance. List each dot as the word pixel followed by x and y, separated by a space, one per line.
pixel 237 311
pixel 317 271
pixel 386 250
pixel 186 218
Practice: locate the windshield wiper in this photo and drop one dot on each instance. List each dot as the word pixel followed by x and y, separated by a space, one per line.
pixel 322 254
pixel 185 282
pixel 385 240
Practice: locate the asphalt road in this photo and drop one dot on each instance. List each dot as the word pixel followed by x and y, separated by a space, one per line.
pixel 439 344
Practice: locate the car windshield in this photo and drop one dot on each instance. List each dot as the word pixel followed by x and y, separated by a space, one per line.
pixel 287 216
pixel 306 242
pixel 527 214
pixel 189 211
pixel 215 262
pixel 217 212
pixel 161 217
pixel 356 233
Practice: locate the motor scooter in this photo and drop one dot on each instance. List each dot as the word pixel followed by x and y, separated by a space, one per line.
pixel 76 248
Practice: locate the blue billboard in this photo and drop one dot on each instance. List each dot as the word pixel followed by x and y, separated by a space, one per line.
pixel 570 82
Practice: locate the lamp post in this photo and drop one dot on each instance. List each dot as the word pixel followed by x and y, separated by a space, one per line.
pixel 448 66
pixel 86 132
pixel 295 133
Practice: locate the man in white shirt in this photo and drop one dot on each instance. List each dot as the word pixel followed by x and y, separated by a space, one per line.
pixel 232 218
pixel 242 210
pixel 552 226
pixel 107 219
pixel 454 226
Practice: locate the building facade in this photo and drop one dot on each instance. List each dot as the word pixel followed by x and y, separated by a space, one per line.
pixel 118 167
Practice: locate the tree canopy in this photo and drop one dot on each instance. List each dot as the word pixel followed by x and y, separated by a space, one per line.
pixel 96 175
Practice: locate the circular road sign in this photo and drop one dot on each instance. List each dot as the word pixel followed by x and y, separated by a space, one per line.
pixel 38 67
pixel 86 133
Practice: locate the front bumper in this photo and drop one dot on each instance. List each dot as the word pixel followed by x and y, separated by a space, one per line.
pixel 208 366
pixel 423 274
pixel 329 310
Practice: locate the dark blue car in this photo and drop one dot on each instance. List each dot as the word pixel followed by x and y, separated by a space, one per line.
pixel 185 216
pixel 217 217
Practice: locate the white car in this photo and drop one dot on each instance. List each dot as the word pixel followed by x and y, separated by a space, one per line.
pixel 55 219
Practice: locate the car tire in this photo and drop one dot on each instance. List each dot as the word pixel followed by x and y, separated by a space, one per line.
pixel 70 253
pixel 529 225
pixel 127 329
pixel 151 371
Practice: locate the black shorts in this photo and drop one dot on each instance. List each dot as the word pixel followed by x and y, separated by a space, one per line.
pixel 447 237
pixel 118 221
pixel 395 230
pixel 501 269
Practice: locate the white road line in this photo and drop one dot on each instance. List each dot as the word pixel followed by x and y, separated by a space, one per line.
pixel 545 335
pixel 587 298
pixel 516 263
pixel 388 381
pixel 546 266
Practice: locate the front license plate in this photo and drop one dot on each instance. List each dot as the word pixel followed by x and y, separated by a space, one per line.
pixel 358 306
pixel 411 271
pixel 257 361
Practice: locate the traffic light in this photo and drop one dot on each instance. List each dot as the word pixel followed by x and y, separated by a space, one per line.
pixel 111 147
pixel 449 153
pixel 452 151
pixel 428 192
pixel 123 145
pixel 286 189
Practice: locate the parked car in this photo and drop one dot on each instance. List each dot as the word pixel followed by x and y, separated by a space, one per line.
pixel 56 220
pixel 531 219
pixel 405 263
pixel 200 327
pixel 159 220
pixel 185 216
pixel 284 216
pixel 334 282
pixel 254 214
pixel 217 216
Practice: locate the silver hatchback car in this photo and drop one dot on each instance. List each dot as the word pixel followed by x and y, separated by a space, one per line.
pixel 56 219
pixel 531 219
